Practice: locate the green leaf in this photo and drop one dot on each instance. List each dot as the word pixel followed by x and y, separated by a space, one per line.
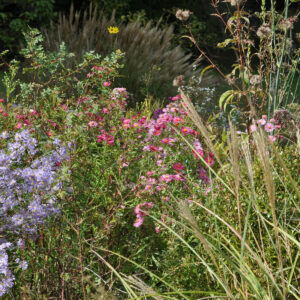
pixel 225 43
pixel 205 69
pixel 226 97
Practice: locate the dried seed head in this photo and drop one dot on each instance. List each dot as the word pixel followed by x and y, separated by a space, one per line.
pixel 264 30
pixel 288 23
pixel 255 79
pixel 183 15
pixel 230 79
pixel 178 81
pixel 283 117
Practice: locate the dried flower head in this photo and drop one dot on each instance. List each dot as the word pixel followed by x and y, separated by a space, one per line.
pixel 264 31
pixel 178 81
pixel 283 117
pixel 288 23
pixel 255 79
pixel 230 79
pixel 183 15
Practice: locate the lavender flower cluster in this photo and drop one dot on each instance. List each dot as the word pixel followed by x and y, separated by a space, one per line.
pixel 28 187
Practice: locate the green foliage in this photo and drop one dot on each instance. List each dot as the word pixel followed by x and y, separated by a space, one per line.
pixel 15 16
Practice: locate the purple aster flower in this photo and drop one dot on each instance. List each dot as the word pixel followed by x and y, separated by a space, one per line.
pixel 4 135
pixel 23 265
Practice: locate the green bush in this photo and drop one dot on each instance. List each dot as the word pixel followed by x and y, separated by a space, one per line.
pixel 15 16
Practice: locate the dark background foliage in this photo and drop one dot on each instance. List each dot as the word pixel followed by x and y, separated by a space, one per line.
pixel 17 15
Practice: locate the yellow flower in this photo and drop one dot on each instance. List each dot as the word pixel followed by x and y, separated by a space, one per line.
pixel 113 29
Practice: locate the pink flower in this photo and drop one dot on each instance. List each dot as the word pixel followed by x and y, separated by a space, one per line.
pixel 153 148
pixel 271 138
pixel 159 162
pixel 157 230
pixel 178 166
pixel 93 124
pixel 261 122
pixel 177 177
pixel 157 132
pixel 148 187
pixel 107 83
pixel 198 152
pixel 269 127
pixel 148 204
pixel 252 127
pixel 207 190
pixel 126 126
pixel 166 141
pixel 110 140
pixel 159 188
pixel 265 117
pixel 165 178
pixel 19 125
pixel 126 121
pixel 175 98
pixel 209 160
pixel 185 130
pixel 138 222
pixel 101 137
pixel 165 198
pixel 105 110
pixel 203 175
pixel 50 133
pixel 151 180
pixel 177 120
pixel 140 214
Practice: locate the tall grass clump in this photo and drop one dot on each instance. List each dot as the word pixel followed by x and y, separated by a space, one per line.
pixel 150 62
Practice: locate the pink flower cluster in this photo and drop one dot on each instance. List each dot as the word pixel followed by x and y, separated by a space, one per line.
pixel 140 211
pixel 168 178
pixel 158 135
pixel 97 72
pixel 104 136
pixel 268 126
pixel 119 92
